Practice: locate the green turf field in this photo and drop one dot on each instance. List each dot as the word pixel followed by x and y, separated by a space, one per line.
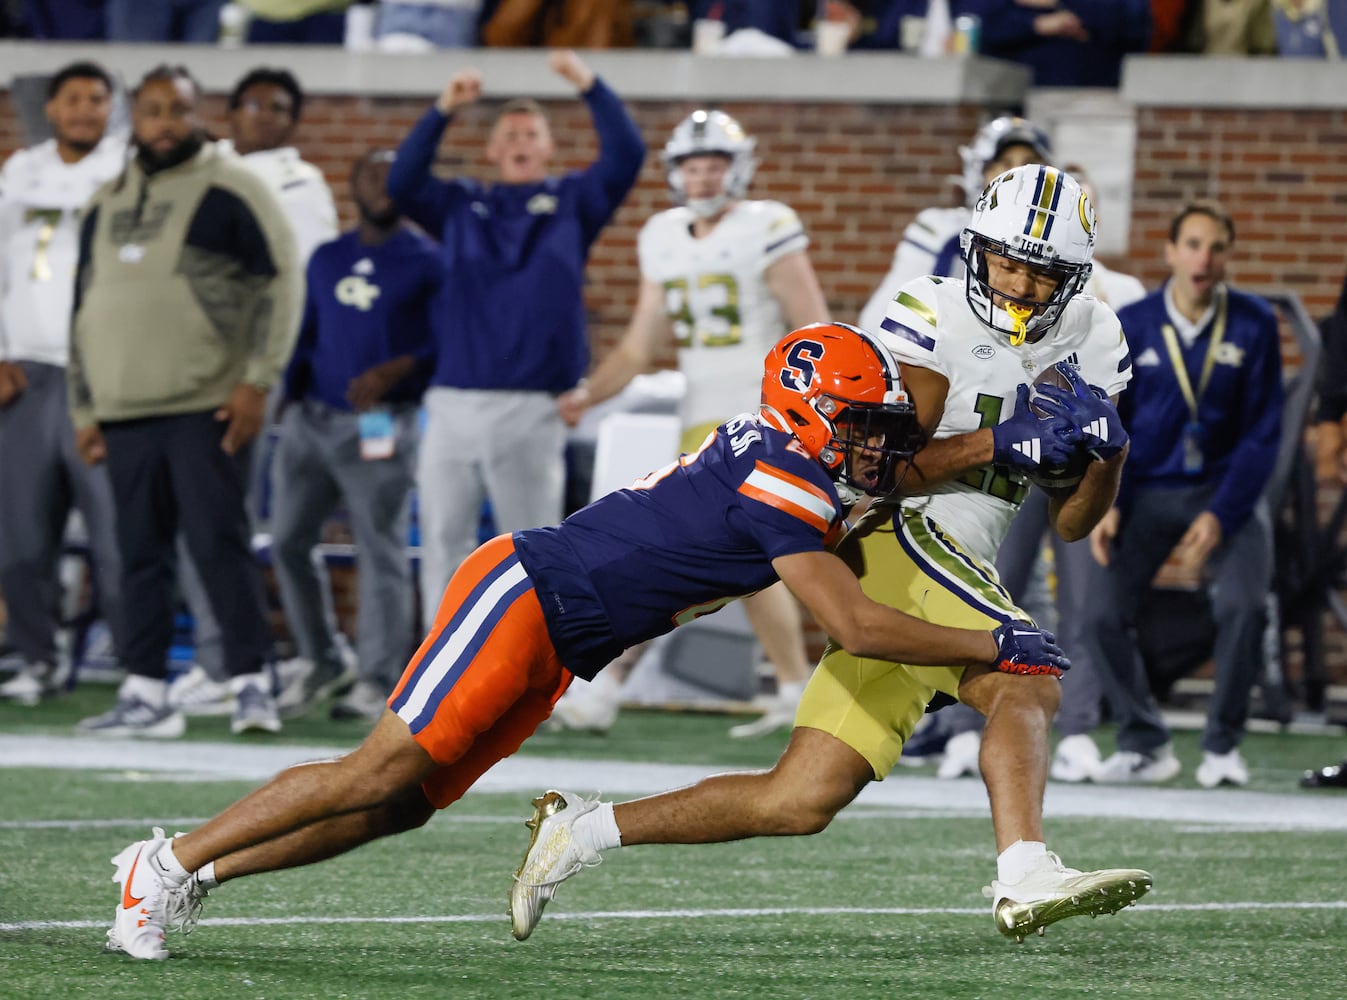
pixel 1250 896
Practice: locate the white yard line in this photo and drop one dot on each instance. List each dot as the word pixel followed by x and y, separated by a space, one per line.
pixel 623 779
pixel 762 911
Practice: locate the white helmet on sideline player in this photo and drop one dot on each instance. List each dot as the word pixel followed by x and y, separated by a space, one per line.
pixel 713 132
pixel 1037 215
pixel 988 143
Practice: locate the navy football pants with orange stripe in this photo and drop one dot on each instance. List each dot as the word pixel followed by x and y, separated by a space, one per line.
pixel 485 677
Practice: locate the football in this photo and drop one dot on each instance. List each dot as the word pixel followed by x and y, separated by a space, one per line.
pixel 1067 476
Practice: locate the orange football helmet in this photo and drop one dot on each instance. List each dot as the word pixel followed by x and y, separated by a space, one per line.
pixel 837 389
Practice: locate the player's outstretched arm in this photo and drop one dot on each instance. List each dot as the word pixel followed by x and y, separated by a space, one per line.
pixel 831 592
pixel 648 330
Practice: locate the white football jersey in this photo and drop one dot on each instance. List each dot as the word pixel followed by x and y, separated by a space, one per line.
pixel 930 324
pixel 41 204
pixel 724 317
pixel 930 245
pixel 303 192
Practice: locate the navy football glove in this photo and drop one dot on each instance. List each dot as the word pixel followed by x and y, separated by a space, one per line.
pixel 1022 648
pixel 1027 442
pixel 1089 409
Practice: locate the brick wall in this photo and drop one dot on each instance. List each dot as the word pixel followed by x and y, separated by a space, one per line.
pixel 858 173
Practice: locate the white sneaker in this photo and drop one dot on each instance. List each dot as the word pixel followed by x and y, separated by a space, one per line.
pixel 585 710
pixel 779 715
pixel 302 684
pixel 1128 767
pixel 1054 892
pixel 132 715
pixel 194 693
pixel 552 857
pixel 30 685
pixel 138 927
pixel 961 756
pixel 365 701
pixel 1222 769
pixel 254 707
pixel 1076 759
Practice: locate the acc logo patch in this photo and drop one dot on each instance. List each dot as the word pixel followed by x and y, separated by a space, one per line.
pixel 984 351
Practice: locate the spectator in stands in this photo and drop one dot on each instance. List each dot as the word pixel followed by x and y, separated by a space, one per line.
pixel 1204 410
pixel 186 297
pixel 1310 29
pixel 349 433
pixel 274 22
pixel 1233 28
pixel 42 192
pixel 581 24
pixel 163 20
pixel 56 20
pixel 509 321
pixel 1066 43
pixel 722 279
pixel 264 111
pixel 440 24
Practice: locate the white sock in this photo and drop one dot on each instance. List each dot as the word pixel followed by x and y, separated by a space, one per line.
pixel 152 690
pixel 597 830
pixel 168 866
pixel 1019 859
pixel 205 876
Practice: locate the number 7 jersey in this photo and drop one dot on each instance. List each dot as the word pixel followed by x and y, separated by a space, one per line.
pixel 724 316
pixel 929 324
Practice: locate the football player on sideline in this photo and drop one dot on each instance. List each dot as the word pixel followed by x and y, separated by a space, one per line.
pixel 722 278
pixel 761 500
pixel 967 351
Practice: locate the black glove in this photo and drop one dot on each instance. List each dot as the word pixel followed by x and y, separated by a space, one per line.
pixel 1027 442
pixel 1089 409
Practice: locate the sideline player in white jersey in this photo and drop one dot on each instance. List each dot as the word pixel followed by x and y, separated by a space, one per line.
pixel 722 278
pixel 930 243
pixel 970 350
pixel 43 190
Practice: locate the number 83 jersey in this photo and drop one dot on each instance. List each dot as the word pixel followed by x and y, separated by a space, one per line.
pixel 724 316
pixel 929 324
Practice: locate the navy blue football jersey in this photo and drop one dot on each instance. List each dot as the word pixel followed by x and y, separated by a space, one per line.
pixel 680 543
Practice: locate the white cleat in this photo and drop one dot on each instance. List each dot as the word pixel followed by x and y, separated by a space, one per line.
pixel 1055 892
pixel 552 857
pixel 138 927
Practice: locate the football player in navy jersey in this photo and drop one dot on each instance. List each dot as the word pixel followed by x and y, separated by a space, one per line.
pixel 762 499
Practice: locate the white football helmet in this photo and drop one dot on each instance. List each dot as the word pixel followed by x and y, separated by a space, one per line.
pixel 1038 215
pixel 987 143
pixel 710 132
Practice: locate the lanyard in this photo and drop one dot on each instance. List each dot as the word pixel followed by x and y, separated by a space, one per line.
pixel 1208 363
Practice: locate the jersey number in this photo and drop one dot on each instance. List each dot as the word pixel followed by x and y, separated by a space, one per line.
pixel 718 324
pixel 989 479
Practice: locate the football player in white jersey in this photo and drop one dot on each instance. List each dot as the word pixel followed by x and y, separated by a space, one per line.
pixel 930 243
pixel 971 350
pixel 722 279
pixel 43 190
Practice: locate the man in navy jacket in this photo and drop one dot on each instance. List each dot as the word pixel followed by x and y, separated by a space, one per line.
pixel 509 320
pixel 1204 411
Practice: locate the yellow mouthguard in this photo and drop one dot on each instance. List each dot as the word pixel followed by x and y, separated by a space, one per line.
pixel 1021 317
